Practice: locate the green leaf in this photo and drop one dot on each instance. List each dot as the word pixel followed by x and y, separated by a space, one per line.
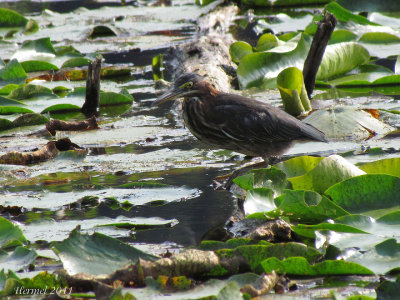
pixel 37 65
pixel 13 72
pixel 96 254
pixel 30 119
pixel 10 235
pixel 371 5
pixel 10 18
pixel 9 110
pixel 345 15
pixel 341 36
pixel 309 230
pixel 61 108
pixel 29 91
pixel 272 178
pixel 4 101
pixel 308 207
pixel 347 123
pixel 76 62
pixel 266 42
pixel 329 171
pixel 238 50
pixel 388 289
pixel 157 66
pixel 259 200
pixel 229 244
pixel 255 254
pixel 389 166
pixel 366 192
pixel 263 67
pixel 5 124
pixel 341 58
pixel 20 258
pixel 101 31
pixel 111 98
pixel 31 27
pixel 300 267
pixel 379 38
pixel 40 49
pixel 293 92
pixel 299 165
pixel 8 88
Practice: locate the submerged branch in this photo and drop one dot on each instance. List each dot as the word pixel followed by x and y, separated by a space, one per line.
pixel 58 125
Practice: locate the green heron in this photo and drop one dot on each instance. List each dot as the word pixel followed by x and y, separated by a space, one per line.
pixel 235 122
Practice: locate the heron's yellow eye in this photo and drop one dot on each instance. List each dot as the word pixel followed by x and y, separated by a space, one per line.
pixel 187 85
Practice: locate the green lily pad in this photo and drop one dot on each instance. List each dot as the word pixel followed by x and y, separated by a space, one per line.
pixel 76 62
pixel 266 42
pixel 390 166
pixel 293 92
pixel 366 192
pixel 299 165
pixel 329 171
pixel 10 235
pixel 308 207
pixel 10 18
pixel 261 67
pixel 5 124
pixel 37 66
pixel 96 254
pixel 5 90
pixel 341 58
pixel 20 258
pixel 29 91
pixel 30 119
pixel 10 110
pixel 379 38
pixel 341 36
pixel 255 254
pixel 111 98
pixel 268 178
pixel 299 266
pixel 61 108
pixel 13 72
pixel 239 49
pixel 40 49
pixel 309 230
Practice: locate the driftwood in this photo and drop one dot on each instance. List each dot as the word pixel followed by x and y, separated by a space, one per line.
pixel 317 49
pixel 58 125
pixel 47 152
pixel 192 263
pixel 91 105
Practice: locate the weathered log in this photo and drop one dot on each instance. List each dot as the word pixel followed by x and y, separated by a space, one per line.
pixel 317 49
pixel 92 99
pixel 58 125
pixel 47 152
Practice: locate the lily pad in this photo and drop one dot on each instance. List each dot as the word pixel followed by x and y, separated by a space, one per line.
pixel 96 254
pixel 76 62
pixel 10 18
pixel 390 166
pixel 13 72
pixel 20 258
pixel 298 166
pixel 366 192
pixel 111 98
pixel 30 119
pixel 37 65
pixel 9 110
pixel 61 108
pixel 29 91
pixel 300 267
pixel 10 235
pixel 329 171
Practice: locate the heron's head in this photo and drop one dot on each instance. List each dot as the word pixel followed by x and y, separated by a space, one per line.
pixel 185 85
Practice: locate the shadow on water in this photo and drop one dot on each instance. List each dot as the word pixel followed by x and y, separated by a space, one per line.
pixel 196 215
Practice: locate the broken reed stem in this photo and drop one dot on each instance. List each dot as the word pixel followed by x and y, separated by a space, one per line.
pixel 317 49
pixel 92 99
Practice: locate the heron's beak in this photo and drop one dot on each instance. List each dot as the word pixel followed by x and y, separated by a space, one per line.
pixel 171 94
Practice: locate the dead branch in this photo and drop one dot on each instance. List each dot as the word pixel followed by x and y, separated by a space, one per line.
pixel 47 152
pixel 91 105
pixel 58 125
pixel 317 49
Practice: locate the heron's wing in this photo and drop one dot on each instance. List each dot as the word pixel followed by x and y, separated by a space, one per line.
pixel 247 119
